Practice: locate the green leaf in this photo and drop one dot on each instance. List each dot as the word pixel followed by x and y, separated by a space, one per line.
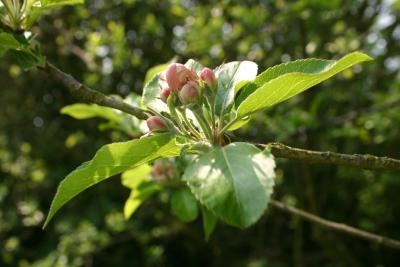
pixel 151 95
pixel 2 51
pixel 239 123
pixel 133 177
pixel 58 3
pixel 184 205
pixel 137 180
pixel 143 190
pixel 155 70
pixel 240 85
pixel 228 76
pixel 138 195
pixel 2 9
pixel 234 182
pixel 209 222
pixel 37 8
pixel 116 120
pixel 193 64
pixel 310 65
pixel 7 41
pixel 111 160
pixel 285 81
pixel 87 111
pixel 26 60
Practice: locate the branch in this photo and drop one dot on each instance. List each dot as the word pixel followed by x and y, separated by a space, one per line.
pixel 356 160
pixel 87 94
pixel 338 227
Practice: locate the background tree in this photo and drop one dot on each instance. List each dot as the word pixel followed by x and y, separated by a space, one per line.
pixel 111 44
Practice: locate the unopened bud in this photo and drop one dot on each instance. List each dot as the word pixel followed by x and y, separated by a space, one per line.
pixel 156 124
pixel 177 75
pixel 207 75
pixel 163 170
pixel 189 93
pixel 165 94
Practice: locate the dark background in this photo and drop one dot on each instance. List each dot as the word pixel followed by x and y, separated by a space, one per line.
pixel 110 44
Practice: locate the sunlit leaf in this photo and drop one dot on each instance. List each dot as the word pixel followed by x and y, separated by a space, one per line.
pixel 151 95
pixel 193 64
pixel 37 8
pixel 133 177
pixel 138 195
pixel 228 76
pixel 87 111
pixel 285 81
pixel 111 160
pixel 234 182
pixel 153 71
pixel 57 3
pixel 137 179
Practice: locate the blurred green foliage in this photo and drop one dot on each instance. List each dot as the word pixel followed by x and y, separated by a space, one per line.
pixel 110 45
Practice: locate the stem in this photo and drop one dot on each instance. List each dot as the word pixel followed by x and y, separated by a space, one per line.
pixel 92 96
pixel 229 124
pixel 194 131
pixel 213 124
pixel 203 123
pixel 328 157
pixel 175 116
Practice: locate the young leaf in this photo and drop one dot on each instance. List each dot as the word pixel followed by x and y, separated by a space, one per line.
pixel 111 160
pixel 193 64
pixel 36 8
pixel 137 180
pixel 209 222
pixel 239 123
pixel 26 60
pixel 87 111
pixel 153 71
pixel 151 95
pixel 134 177
pixel 7 41
pixel 234 182
pixel 296 78
pixel 144 190
pixel 58 3
pixel 184 205
pixel 309 65
pixel 228 76
pixel 116 120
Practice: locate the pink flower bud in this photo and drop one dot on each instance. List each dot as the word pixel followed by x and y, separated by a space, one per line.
pixel 165 94
pixel 163 170
pixel 156 124
pixel 158 168
pixel 177 75
pixel 189 93
pixel 207 75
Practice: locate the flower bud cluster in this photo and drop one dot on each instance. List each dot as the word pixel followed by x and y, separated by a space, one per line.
pixel 185 83
pixel 182 87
